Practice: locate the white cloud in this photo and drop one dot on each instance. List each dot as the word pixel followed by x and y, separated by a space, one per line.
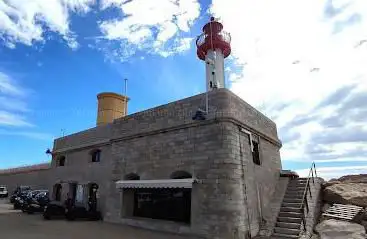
pixel 28 134
pixel 334 172
pixel 9 87
pixel 295 54
pixel 157 27
pixel 26 21
pixel 11 119
pixel 153 26
pixel 12 99
pixel 10 103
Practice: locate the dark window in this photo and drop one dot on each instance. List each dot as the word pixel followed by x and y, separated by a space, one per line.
pixel 60 162
pixel 172 204
pixel 96 156
pixel 57 192
pixel 255 153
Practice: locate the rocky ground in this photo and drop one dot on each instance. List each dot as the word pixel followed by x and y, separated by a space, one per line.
pixel 351 189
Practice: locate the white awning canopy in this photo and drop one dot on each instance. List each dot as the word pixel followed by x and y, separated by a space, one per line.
pixel 163 183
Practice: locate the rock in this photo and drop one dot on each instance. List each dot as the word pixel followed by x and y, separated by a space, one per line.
pixel 329 183
pixel 325 207
pixel 314 236
pixel 365 215
pixel 359 178
pixel 334 229
pixel 364 223
pixel 347 193
pixel 309 236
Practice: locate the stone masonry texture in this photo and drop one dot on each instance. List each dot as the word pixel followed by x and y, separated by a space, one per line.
pixel 233 195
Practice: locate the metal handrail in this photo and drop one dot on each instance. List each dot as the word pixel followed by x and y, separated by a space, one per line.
pixel 223 35
pixel 307 188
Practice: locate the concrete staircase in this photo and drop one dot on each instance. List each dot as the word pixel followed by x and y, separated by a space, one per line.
pixel 288 224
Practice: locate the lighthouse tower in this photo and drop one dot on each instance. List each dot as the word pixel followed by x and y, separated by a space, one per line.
pixel 213 45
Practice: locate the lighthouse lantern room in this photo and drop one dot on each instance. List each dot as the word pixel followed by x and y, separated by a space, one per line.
pixel 213 46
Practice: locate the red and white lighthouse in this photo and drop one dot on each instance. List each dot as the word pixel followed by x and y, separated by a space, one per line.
pixel 213 46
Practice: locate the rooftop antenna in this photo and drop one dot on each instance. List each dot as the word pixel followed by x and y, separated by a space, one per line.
pixel 125 92
pixel 63 132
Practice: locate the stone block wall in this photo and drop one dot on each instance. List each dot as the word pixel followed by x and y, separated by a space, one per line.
pixel 223 104
pixel 202 151
pixel 84 138
pixel 157 142
pixel 80 169
pixel 36 179
pixel 260 181
pixel 271 212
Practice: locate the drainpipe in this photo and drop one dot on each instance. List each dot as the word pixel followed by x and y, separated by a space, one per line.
pixel 243 177
pixel 257 186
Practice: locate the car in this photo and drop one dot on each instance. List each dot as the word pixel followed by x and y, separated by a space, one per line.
pixel 3 191
pixel 54 209
pixel 18 191
pixel 35 201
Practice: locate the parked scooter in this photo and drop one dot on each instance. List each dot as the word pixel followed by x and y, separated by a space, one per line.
pixel 36 202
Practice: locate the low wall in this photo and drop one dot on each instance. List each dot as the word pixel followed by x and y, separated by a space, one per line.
pixel 35 179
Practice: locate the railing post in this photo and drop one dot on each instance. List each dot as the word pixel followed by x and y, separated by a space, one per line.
pixel 314 166
pixel 306 204
pixel 308 188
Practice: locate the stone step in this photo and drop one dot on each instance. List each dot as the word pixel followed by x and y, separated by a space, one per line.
pixel 290 209
pixel 287 231
pixel 292 204
pixel 290 219
pixel 293 194
pixel 292 200
pixel 296 187
pixel 288 225
pixel 295 191
pixel 290 191
pixel 298 183
pixel 281 236
pixel 290 214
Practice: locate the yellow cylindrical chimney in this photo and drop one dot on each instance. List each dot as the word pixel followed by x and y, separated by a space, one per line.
pixel 111 106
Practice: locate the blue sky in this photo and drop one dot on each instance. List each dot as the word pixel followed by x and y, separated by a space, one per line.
pixel 308 74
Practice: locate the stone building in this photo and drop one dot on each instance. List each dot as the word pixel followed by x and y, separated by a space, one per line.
pixel 173 168
pixel 225 167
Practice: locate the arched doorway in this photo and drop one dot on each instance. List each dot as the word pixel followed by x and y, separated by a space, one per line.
pixel 92 196
pixel 132 176
pixel 57 191
pixel 180 175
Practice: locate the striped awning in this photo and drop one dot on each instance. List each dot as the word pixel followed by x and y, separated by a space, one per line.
pixel 163 183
